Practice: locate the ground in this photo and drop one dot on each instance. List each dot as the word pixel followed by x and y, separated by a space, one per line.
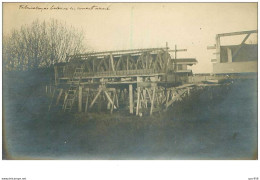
pixel 216 124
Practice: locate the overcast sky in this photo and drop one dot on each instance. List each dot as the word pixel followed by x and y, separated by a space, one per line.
pixel 192 26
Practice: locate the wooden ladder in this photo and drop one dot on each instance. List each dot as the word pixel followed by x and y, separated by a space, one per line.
pixel 71 94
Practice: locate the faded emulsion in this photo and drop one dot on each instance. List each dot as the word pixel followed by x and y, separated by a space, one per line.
pixel 63 101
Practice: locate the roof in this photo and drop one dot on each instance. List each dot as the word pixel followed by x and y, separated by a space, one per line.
pixel 185 60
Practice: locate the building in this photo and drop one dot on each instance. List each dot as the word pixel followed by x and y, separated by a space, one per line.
pixel 235 59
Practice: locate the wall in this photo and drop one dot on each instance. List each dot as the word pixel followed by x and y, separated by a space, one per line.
pixel 235 67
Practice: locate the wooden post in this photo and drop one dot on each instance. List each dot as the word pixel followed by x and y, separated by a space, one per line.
pixel 80 98
pixel 86 107
pixel 167 98
pixel 58 98
pixel 93 65
pixel 116 99
pixel 131 99
pixel 112 62
pixel 127 59
pixel 113 101
pixel 52 99
pixel 218 48
pixel 175 52
pixel 138 99
pixel 152 101
pixel 56 74
pixel 229 54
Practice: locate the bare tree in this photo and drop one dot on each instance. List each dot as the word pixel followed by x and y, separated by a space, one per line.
pixel 40 44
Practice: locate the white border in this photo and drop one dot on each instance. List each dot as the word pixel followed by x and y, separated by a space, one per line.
pixel 164 170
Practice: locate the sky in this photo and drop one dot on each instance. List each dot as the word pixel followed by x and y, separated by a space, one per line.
pixel 116 26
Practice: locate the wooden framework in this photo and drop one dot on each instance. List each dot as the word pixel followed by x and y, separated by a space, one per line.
pixel 231 55
pixel 143 81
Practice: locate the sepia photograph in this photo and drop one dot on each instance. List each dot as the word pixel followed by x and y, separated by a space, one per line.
pixel 129 81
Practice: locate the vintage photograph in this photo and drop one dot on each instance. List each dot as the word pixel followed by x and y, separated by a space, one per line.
pixel 129 81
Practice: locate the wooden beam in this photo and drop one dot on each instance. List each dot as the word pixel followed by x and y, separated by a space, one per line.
pixel 116 99
pixel 56 74
pixel 240 46
pixel 116 52
pixel 237 33
pixel 86 106
pixel 59 96
pixel 138 100
pixel 113 101
pixel 65 101
pixel 131 99
pixel 211 47
pixel 167 98
pixel 152 101
pixel 218 49
pixel 229 55
pixel 127 63
pixel 109 99
pixel 112 62
pixel 80 99
pixel 52 98
pixel 95 98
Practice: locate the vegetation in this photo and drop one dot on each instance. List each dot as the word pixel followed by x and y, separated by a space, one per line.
pixel 40 44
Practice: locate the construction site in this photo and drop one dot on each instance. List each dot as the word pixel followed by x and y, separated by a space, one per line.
pixel 101 102
pixel 143 81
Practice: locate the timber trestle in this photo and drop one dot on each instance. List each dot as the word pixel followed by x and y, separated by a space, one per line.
pixel 140 81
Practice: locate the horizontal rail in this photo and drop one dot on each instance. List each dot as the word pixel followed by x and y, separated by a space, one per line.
pixel 117 52
pixel 236 33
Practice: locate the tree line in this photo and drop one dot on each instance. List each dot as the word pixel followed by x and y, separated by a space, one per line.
pixel 40 44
